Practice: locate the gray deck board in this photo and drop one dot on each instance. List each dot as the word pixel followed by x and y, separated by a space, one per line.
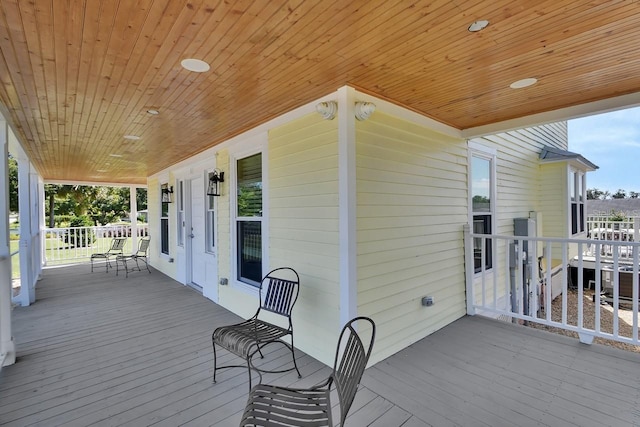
pixel 101 350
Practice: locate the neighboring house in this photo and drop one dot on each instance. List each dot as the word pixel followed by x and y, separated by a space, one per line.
pixel 369 212
pixel 627 207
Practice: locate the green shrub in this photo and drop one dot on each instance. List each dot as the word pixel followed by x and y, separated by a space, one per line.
pixel 617 216
pixel 60 221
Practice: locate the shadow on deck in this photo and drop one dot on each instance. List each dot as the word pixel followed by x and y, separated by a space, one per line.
pixel 96 349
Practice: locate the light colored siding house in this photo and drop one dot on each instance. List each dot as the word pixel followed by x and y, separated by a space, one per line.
pixel 369 212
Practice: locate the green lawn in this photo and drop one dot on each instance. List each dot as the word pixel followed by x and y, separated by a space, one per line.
pixel 59 252
pixel 15 260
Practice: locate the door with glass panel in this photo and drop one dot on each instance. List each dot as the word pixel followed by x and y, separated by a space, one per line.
pixel 201 236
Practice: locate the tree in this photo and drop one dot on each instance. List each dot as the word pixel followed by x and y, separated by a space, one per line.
pixel 102 205
pixel 141 198
pixel 620 194
pixel 13 184
pixel 633 194
pixel 594 194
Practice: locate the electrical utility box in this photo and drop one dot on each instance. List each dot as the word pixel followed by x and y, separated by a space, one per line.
pixel 524 227
pixel 527 227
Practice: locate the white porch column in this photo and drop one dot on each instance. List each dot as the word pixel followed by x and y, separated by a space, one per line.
pixel 347 204
pixel 27 290
pixel 7 345
pixel 133 203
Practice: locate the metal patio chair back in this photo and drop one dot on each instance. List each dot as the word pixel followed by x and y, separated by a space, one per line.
pixel 278 294
pixel 271 405
pixel 116 248
pixel 139 255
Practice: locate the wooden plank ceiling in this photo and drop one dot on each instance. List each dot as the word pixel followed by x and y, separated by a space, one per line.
pixel 78 75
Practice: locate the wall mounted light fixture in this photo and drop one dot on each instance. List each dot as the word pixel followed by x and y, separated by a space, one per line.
pixel 364 109
pixel 327 109
pixel 215 178
pixel 166 193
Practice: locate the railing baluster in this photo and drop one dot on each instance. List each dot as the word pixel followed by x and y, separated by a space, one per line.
pixel 76 244
pixel 616 293
pixel 594 254
pixel 580 275
pixel 565 287
pixel 549 283
pixel 597 289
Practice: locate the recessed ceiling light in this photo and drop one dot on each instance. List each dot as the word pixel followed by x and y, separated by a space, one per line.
pixel 195 65
pixel 132 137
pixel 153 112
pixel 115 155
pixel 478 26
pixel 523 83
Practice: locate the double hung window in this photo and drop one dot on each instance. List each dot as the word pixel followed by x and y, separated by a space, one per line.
pixel 164 225
pixel 249 218
pixel 577 193
pixel 210 225
pixel 481 183
pixel 181 219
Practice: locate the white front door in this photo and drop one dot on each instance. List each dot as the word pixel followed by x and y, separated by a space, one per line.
pixel 203 260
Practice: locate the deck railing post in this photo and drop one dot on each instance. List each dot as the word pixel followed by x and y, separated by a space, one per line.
pixel 469 270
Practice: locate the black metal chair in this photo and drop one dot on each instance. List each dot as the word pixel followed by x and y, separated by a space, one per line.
pixel 278 294
pixel 117 247
pixel 270 405
pixel 139 255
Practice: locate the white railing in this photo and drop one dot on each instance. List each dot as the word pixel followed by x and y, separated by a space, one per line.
pixel 604 229
pixel 76 244
pixel 520 284
pixel 15 274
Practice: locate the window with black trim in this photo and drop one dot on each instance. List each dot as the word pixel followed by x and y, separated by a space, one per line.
pixel 577 194
pixel 249 219
pixel 164 226
pixel 210 225
pixel 482 208
pixel 181 219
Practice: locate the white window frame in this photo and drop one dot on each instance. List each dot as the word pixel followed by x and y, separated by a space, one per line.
pixel 180 218
pixel 577 195
pixel 250 147
pixel 483 152
pixel 162 219
pixel 211 214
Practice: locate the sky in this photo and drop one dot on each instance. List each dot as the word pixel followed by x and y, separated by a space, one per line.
pixel 612 142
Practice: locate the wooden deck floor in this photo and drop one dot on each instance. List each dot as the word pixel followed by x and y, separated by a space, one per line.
pixel 97 349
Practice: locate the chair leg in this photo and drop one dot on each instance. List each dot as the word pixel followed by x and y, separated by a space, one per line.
pixel 293 356
pixel 249 372
pixel 213 341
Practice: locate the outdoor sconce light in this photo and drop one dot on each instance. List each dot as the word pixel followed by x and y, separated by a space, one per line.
pixel 363 110
pixel 215 178
pixel 327 109
pixel 166 193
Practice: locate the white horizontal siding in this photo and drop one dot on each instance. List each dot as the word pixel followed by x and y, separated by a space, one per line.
pixel 411 207
pixel 519 176
pixel 303 224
